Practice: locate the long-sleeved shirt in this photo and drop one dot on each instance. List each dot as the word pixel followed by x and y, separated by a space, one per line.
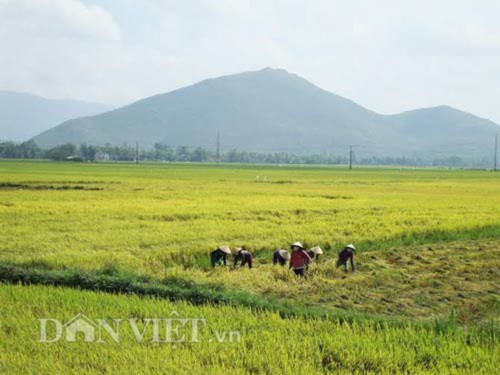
pixel 299 259
pixel 218 257
pixel 313 256
pixel 245 258
pixel 277 258
pixel 345 256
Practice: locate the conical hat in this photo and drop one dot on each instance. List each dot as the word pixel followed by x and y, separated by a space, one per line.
pixel 317 250
pixel 284 254
pixel 351 246
pixel 225 249
pixel 298 244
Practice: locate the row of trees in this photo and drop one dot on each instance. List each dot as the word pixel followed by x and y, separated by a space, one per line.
pixel 160 152
pixel 25 150
pixel 163 152
pixel 67 151
pixel 442 161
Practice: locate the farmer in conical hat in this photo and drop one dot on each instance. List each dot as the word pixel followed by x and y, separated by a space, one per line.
pixel 243 255
pixel 219 256
pixel 299 259
pixel 281 256
pixel 315 252
pixel 347 254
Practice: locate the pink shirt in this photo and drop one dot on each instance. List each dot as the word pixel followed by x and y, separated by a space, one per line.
pixel 299 259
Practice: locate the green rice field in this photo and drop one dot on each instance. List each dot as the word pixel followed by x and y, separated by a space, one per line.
pixel 113 240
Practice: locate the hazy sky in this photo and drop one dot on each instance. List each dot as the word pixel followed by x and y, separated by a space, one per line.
pixel 387 55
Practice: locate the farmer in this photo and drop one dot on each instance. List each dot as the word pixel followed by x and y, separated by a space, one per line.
pixel 243 255
pixel 346 255
pixel 315 252
pixel 281 257
pixel 299 259
pixel 219 256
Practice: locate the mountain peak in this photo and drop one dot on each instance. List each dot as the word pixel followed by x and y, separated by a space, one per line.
pixel 268 69
pixel 268 109
pixel 278 72
pixel 264 73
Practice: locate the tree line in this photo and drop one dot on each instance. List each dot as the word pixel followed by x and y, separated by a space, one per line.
pixel 164 153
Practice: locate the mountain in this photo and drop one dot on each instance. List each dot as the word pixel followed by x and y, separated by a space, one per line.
pixel 22 116
pixel 273 110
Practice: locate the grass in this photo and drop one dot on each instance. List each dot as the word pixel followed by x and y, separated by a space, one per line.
pixel 149 217
pixel 419 282
pixel 416 282
pixel 269 344
pixel 425 297
pixel 169 288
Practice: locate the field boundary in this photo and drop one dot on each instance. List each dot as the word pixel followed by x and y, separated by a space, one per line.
pixel 175 289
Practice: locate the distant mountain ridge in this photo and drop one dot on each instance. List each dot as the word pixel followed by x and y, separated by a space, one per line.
pixel 273 110
pixel 23 115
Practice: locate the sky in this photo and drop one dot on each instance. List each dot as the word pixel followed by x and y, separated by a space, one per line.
pixel 387 55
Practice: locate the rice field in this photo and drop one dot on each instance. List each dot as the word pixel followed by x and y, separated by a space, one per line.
pixel 149 217
pixel 425 297
pixel 268 343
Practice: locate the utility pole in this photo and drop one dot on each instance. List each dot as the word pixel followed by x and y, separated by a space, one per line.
pixel 350 157
pixel 218 147
pixel 136 152
pixel 496 152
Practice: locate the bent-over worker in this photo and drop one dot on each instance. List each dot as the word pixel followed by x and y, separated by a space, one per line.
pixel 315 252
pixel 281 256
pixel 219 256
pixel 243 255
pixel 346 255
